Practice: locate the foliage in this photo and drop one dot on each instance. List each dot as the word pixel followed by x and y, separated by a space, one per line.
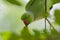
pixel 15 2
pixel 38 9
pixel 57 16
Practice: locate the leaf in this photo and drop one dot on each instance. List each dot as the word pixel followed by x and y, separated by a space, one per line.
pixel 25 34
pixel 15 2
pixel 55 1
pixel 57 16
pixel 14 36
pixel 5 35
pixel 45 34
pixel 36 35
pixel 54 32
pixel 55 35
pixel 50 4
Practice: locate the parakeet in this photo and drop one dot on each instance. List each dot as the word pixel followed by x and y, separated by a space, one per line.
pixel 35 9
pixel 27 18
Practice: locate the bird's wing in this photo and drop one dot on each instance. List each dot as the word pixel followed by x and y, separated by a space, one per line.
pixel 37 7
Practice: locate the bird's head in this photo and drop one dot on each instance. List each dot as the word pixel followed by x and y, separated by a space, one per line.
pixel 27 18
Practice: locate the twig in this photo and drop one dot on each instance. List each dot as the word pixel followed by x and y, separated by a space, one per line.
pixel 45 12
pixel 50 24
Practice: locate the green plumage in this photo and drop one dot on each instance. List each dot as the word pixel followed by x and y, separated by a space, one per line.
pixel 37 8
pixel 27 16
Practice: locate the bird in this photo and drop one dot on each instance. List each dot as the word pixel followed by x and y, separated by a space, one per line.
pixel 35 10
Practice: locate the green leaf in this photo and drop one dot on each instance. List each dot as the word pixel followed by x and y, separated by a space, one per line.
pixel 50 4
pixel 45 34
pixel 54 32
pixel 55 35
pixel 55 1
pixel 25 34
pixel 14 36
pixel 5 35
pixel 15 2
pixel 36 35
pixel 57 16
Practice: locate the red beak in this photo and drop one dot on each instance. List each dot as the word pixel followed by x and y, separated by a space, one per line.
pixel 26 22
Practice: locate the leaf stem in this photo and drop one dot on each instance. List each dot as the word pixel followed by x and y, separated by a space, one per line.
pixel 45 12
pixel 45 23
pixel 50 24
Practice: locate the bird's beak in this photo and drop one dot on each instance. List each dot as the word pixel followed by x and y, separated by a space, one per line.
pixel 25 22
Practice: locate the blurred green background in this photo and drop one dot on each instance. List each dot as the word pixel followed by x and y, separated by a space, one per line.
pixel 12 27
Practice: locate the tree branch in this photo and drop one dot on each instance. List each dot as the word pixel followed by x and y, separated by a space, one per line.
pixel 50 24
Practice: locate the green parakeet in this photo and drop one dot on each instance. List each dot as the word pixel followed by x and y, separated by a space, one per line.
pixel 27 18
pixel 35 9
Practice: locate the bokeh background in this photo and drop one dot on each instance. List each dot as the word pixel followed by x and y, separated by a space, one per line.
pixel 10 20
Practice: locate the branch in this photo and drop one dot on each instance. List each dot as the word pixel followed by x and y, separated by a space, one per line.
pixel 50 24
pixel 45 12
